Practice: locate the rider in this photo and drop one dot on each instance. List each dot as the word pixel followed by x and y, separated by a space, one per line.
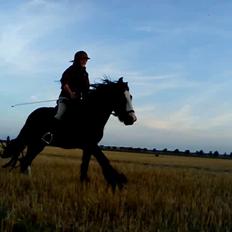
pixel 74 86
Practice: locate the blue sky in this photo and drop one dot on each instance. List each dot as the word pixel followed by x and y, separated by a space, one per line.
pixel 175 54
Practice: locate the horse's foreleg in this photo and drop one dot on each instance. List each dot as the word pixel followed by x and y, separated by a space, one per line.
pixel 85 164
pixel 111 175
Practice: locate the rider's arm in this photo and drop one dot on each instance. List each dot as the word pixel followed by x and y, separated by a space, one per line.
pixel 69 91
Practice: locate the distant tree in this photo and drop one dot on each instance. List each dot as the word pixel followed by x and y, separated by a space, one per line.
pixel 154 150
pixel 231 154
pixel 139 149
pixel 165 150
pixel 216 154
pixel 201 152
pixel 176 151
pixel 187 152
pixel 210 153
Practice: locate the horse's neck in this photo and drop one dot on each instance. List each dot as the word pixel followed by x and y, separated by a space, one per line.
pixel 100 108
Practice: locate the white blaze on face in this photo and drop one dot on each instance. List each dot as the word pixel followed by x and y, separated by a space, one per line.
pixel 129 107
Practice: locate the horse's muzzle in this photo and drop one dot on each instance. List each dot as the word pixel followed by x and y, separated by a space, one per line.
pixel 130 119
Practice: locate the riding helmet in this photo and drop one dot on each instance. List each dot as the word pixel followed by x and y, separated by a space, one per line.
pixel 79 55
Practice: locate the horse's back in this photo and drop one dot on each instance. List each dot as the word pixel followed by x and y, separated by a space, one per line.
pixel 40 118
pixel 42 112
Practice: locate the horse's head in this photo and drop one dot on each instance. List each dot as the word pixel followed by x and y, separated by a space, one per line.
pixel 122 107
pixel 118 99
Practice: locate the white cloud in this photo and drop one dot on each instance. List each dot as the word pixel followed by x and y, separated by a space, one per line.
pixel 179 120
pixel 33 21
pixel 203 108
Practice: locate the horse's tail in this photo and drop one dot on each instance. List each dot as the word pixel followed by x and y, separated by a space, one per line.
pixel 14 147
pixel 34 127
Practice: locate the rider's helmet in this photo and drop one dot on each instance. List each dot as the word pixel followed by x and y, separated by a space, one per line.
pixel 80 55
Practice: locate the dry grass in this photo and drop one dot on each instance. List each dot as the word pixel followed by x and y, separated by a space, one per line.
pixel 164 193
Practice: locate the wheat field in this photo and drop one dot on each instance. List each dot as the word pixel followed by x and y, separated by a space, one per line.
pixel 165 193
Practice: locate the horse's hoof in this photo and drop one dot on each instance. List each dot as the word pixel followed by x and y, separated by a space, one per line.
pixel 120 182
pixel 85 179
pixel 27 172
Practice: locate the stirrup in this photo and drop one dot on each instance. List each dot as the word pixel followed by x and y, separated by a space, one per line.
pixel 47 138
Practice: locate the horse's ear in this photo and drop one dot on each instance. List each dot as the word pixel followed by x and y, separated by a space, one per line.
pixel 120 80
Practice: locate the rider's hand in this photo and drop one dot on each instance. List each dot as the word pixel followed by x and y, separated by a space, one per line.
pixel 73 95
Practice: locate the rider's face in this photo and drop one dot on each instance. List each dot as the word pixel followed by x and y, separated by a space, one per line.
pixel 83 62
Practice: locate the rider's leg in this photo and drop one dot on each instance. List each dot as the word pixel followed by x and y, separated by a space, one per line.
pixel 48 136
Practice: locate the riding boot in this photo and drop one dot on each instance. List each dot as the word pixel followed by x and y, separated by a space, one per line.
pixel 48 137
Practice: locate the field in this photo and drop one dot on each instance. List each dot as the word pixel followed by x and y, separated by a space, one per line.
pixel 165 193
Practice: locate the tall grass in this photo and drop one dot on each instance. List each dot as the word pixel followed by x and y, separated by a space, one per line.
pixel 163 194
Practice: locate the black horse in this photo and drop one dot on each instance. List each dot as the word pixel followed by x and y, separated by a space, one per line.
pixel 82 128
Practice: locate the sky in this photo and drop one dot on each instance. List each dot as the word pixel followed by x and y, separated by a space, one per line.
pixel 174 54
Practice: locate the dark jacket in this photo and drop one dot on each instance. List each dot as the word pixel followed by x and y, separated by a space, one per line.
pixel 78 80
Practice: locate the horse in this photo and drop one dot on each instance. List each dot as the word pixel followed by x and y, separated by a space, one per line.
pixel 82 128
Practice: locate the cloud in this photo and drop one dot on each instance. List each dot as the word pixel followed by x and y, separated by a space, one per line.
pixel 140 135
pixel 145 86
pixel 24 26
pixel 203 108
pixel 179 120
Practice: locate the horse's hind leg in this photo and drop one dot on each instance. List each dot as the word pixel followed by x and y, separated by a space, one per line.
pixel 33 150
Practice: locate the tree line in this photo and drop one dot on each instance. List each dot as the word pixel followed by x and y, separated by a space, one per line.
pixel 165 151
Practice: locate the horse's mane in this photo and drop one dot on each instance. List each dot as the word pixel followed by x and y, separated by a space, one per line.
pixel 106 82
pixel 105 86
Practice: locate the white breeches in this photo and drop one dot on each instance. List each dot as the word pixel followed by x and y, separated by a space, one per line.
pixel 62 107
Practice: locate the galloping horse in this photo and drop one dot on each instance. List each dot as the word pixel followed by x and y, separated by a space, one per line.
pixel 82 128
